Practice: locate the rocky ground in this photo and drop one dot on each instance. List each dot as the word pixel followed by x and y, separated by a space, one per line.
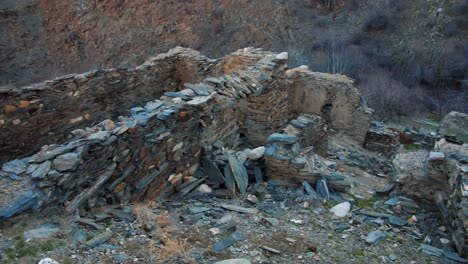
pixel 273 222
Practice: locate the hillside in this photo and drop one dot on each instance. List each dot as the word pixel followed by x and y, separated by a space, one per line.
pixel 422 43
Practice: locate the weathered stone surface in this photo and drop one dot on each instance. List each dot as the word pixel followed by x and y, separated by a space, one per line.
pixel 66 162
pixel 15 166
pixel 18 203
pixel 228 241
pixel 152 149
pixel 382 140
pixel 42 170
pixel 282 138
pixel 233 261
pixel 330 96
pixel 41 232
pixel 455 126
pixel 239 172
pixel 341 210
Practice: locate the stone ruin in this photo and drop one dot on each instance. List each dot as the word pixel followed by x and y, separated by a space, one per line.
pixel 114 135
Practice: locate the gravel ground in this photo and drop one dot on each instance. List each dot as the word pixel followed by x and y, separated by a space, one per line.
pixel 277 225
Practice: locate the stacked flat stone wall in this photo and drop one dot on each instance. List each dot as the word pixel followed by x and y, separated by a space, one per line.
pixel 139 155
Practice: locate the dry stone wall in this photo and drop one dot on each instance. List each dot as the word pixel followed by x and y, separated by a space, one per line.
pixel 132 134
pixel 45 113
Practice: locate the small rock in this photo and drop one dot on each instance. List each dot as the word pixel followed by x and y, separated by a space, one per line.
pixel 240 209
pixel 197 210
pixel 396 221
pixel 108 124
pixel 204 188
pixel 282 138
pixel 99 239
pixel 228 241
pixel 272 221
pixel 100 136
pixel 47 261
pixel 66 162
pixel 270 249
pixel 282 56
pixel 121 257
pixel 233 261
pixel 42 170
pixel 434 155
pixel 341 210
pixel 444 241
pixel 252 199
pixel 41 232
pixel 15 166
pixel 256 153
pixel 392 257
pixel 374 237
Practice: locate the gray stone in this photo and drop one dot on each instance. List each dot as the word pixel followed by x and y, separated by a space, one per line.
pixel 374 237
pixel 228 241
pixel 79 236
pixel 21 204
pixel 41 232
pixel 50 152
pixel 199 100
pixel 258 175
pixel 42 170
pixel 47 261
pixel 270 249
pixel 240 209
pixel 15 166
pixel 239 172
pixel 66 162
pixel 310 191
pixel 256 153
pixel 396 221
pixel 282 138
pixel 341 210
pixel 322 189
pixel 430 250
pixel 121 257
pixel 100 136
pixel 153 105
pixel 455 126
pixel 99 239
pixel 435 155
pixel 197 210
pixel 233 261
pixel 213 172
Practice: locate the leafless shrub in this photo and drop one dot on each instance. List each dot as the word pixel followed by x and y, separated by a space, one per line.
pixel 391 98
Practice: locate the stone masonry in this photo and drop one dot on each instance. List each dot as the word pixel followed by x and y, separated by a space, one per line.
pixel 132 134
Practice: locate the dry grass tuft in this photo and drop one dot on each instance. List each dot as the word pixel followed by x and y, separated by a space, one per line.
pixel 172 245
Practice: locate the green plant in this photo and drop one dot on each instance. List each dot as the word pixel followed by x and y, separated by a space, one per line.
pixel 47 246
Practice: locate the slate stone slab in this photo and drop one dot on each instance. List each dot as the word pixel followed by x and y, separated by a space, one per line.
pixel 282 138
pixel 228 241
pixel 396 221
pixel 42 232
pixel 99 239
pixel 374 237
pixel 15 166
pixel 214 174
pixel 239 172
pixel 240 209
pixel 230 181
pixel 310 191
pixel 322 189
pixel 24 202
pixel 258 175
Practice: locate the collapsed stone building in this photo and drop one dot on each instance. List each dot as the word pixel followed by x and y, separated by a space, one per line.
pixel 133 134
